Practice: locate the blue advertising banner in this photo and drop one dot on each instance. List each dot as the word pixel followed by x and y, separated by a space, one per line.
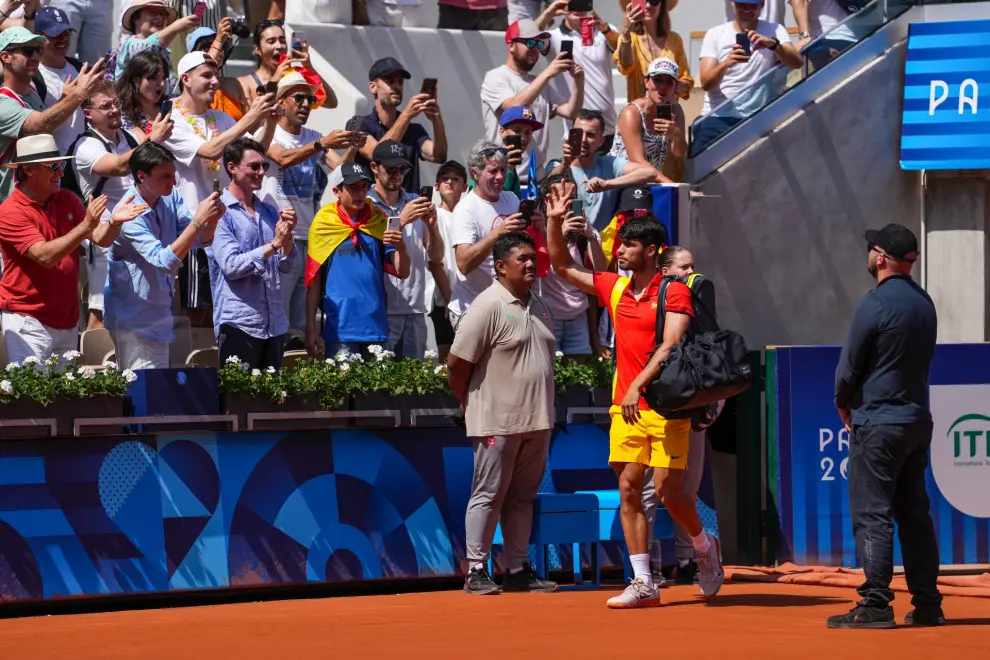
pixel 813 449
pixel 944 126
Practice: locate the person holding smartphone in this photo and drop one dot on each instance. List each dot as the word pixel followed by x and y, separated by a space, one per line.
pixel 734 57
pixel 405 298
pixel 153 25
pixel 516 128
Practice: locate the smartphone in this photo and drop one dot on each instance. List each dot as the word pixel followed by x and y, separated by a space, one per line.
pixel 580 6
pixel 394 224
pixel 354 124
pixel 527 207
pixel 200 9
pixel 567 48
pixel 743 40
pixel 513 141
pixel 271 87
pixel 216 186
pixel 638 26
pixel 297 40
pixel 577 207
pixel 665 111
pixel 167 108
pixel 575 138
pixel 427 192
pixel 429 87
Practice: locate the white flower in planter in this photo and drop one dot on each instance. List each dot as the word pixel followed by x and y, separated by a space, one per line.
pixel 282 396
pixel 129 376
pixel 255 373
pixel 270 369
pixel 69 376
pixel 559 354
pixel 52 359
pixel 87 372
pixel 70 355
pixel 440 369
pixel 375 349
pixel 345 366
pixel 330 361
pixel 6 387
pixel 341 355
pixel 233 359
pixel 355 357
pixel 384 355
pixel 31 360
pixel 12 366
pixel 432 355
pixel 110 365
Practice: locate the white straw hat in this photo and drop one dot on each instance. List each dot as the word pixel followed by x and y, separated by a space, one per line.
pixel 35 149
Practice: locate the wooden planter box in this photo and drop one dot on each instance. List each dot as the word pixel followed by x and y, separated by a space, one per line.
pixel 64 412
pixel 573 396
pixel 242 405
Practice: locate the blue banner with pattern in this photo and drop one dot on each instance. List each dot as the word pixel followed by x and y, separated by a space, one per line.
pixel 946 116
pixel 812 450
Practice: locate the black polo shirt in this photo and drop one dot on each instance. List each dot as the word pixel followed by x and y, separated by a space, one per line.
pixel 412 142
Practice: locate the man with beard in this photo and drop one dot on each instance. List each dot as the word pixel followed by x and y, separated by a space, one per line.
pixel 56 69
pixel 881 393
pixel 512 84
pixel 386 122
pixel 298 152
pixel 22 112
pixel 102 162
pixel 198 139
pixel 640 437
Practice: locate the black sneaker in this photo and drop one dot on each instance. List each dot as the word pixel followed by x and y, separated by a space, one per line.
pixel 527 580
pixel 479 583
pixel 864 617
pixel 925 618
pixel 687 573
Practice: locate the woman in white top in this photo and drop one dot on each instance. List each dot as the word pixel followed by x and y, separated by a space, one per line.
pixel 643 134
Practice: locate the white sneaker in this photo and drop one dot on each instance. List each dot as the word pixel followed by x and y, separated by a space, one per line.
pixel 637 594
pixel 710 574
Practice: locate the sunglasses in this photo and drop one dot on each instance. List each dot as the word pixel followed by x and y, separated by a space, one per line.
pixel 28 51
pixel 397 170
pixel 490 152
pixel 538 44
pixel 304 98
pixel 264 24
pixel 262 166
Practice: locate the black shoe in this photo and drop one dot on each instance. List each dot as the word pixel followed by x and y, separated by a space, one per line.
pixel 659 580
pixel 864 617
pixel 925 618
pixel 479 583
pixel 687 573
pixel 527 580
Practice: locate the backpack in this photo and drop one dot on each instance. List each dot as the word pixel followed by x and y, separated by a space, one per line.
pixel 39 81
pixel 707 366
pixel 70 179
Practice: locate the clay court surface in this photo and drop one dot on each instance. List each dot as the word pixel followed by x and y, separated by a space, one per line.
pixel 744 621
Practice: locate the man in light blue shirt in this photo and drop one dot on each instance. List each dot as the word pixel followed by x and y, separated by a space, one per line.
pixel 251 250
pixel 146 255
pixel 599 178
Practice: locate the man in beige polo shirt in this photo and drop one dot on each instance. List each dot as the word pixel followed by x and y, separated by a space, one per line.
pixel 501 369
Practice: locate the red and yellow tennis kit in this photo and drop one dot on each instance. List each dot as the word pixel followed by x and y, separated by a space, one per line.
pixel 651 440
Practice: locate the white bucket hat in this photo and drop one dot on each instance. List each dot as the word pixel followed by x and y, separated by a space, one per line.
pixel 663 66
pixel 36 149
pixel 291 80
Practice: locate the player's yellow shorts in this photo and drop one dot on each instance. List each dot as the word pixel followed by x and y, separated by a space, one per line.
pixel 652 440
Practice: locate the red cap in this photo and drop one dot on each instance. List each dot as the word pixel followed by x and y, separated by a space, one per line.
pixel 524 29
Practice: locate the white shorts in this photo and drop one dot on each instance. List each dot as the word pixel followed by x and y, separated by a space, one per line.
pixel 26 336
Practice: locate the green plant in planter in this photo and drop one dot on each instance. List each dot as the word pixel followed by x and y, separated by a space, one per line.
pixel 596 373
pixel 61 378
pixel 236 377
pixel 328 379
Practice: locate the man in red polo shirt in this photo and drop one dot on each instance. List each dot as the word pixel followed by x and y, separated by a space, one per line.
pixel 639 437
pixel 41 227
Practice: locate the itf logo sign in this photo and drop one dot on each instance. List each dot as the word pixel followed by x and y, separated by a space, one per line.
pixel 961 446
pixel 946 123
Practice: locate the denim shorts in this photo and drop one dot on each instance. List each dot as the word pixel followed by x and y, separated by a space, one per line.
pixel 573 337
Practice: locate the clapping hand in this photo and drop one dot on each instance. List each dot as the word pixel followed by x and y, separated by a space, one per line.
pixel 127 211
pixel 94 210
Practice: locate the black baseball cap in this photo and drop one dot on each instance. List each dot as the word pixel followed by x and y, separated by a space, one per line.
pixel 390 154
pixel 385 67
pixel 635 198
pixel 453 165
pixel 349 173
pixel 896 240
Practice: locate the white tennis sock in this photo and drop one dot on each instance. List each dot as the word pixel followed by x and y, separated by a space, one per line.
pixel 701 542
pixel 641 567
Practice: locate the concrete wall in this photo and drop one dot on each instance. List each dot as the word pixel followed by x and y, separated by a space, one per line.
pixel 781 233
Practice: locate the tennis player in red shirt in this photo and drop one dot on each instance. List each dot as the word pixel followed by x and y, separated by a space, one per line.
pixel 639 437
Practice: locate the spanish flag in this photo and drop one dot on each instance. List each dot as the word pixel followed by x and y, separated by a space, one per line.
pixel 332 226
pixel 609 235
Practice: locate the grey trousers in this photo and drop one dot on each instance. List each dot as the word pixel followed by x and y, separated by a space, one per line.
pixel 692 481
pixel 508 471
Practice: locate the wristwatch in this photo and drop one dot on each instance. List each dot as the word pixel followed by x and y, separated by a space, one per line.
pixel 776 42
pixel 804 35
pixel 317 146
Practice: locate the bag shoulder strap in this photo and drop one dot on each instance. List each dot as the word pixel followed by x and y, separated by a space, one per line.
pixel 615 296
pixel 662 305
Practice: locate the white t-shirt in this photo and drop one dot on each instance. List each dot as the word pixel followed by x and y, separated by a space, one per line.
pixel 473 218
pixel 196 175
pixel 596 60
pixel 89 151
pixel 718 44
pixel 502 83
pixel 294 187
pixel 55 80
pixel 445 223
pixel 774 11
pixel 825 15
pixel 408 296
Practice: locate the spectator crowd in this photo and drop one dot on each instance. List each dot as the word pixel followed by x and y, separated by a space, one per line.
pixel 187 197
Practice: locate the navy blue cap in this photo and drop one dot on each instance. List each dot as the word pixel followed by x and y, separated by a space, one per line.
pixel 51 22
pixel 521 113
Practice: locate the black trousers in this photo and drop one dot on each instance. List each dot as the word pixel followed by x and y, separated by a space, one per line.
pixel 886 484
pixel 256 353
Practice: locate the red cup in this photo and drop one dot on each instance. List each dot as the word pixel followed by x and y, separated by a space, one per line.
pixel 588 31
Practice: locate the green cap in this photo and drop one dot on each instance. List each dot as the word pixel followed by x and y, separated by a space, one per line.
pixel 19 36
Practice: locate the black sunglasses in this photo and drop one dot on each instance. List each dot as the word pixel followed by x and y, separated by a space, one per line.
pixel 502 152
pixel 29 51
pixel 304 98
pixel 264 165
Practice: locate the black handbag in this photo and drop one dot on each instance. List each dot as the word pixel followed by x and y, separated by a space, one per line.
pixel 708 365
